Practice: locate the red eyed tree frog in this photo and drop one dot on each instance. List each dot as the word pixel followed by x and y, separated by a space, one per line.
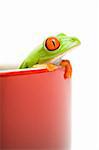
pixel 49 53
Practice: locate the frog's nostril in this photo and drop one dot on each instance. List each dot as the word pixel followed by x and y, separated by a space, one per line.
pixel 52 43
pixel 74 39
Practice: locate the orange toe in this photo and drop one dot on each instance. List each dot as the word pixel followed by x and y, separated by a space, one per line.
pixel 51 67
pixel 68 68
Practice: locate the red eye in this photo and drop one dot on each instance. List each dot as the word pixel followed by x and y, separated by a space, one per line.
pixel 52 43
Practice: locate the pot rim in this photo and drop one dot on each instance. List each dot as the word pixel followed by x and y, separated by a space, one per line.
pixel 11 70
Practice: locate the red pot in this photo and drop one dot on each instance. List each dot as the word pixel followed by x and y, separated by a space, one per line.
pixel 34 110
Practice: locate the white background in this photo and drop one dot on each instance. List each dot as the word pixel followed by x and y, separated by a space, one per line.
pixel 25 23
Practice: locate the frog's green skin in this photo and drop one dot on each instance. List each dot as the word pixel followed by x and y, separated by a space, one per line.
pixel 41 55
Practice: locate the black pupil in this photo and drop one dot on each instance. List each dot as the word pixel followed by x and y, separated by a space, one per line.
pixel 53 41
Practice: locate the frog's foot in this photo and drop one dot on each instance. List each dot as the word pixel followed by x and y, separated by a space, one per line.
pixel 68 68
pixel 49 66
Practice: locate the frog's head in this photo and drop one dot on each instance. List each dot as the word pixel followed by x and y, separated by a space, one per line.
pixel 57 46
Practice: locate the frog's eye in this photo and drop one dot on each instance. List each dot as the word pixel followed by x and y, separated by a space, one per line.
pixel 52 43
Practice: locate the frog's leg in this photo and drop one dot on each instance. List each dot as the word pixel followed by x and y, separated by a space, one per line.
pixel 49 66
pixel 23 65
pixel 68 68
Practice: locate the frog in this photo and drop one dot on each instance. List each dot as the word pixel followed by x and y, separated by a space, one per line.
pixel 50 52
